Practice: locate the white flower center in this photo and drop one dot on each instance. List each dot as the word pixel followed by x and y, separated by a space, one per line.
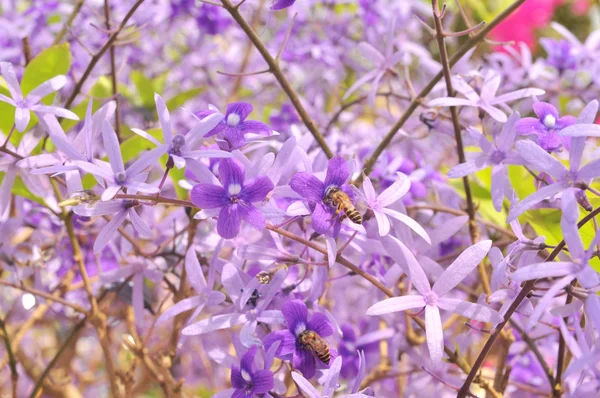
pixel 233 119
pixel 234 189
pixel 246 376
pixel 301 327
pixel 549 121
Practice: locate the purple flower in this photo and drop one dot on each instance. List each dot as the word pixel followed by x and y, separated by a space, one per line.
pixel 120 177
pixel 561 54
pixel 232 129
pixel 497 155
pixel 315 191
pixel 31 102
pixel 546 126
pixel 285 118
pixel 350 347
pixel 290 348
pixel 234 198
pixel 281 4
pixel 432 298
pixel 486 98
pixel 248 382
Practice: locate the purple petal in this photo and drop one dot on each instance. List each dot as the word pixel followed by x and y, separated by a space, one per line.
pixel 257 190
pixel 402 255
pixel 12 83
pixel 109 231
pixel 495 113
pixel 241 109
pixel 529 126
pixel 194 271
pixel 308 186
pixel 262 382
pixel 303 384
pixel 5 189
pixel 322 219
pixel 255 127
pixel 228 225
pixel 470 310
pixel 296 315
pixel 592 309
pixel 111 146
pixel 48 87
pixel 546 300
pixel 181 306
pixel 22 117
pixel 544 270
pixel 461 267
pixel 590 170
pixel 144 161
pixel 409 222
pixel 247 361
pixel 451 101
pixel 164 118
pixel 304 362
pixel 490 86
pixel 137 298
pixel 234 138
pixel 208 196
pixel 337 172
pixel 395 191
pixel 139 225
pixel 508 134
pixel 281 4
pixel 213 323
pixel 499 175
pixel 533 199
pixel 237 380
pixel 320 324
pixel 581 130
pixel 565 121
pixel 230 173
pixel 518 94
pixel 53 110
pixel 252 215
pixel 287 342
pixel 543 109
pixel 396 304
pixel 435 333
pixel 383 223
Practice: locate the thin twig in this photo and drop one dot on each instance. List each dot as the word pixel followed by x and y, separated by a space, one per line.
pixel 113 73
pixel 45 295
pixel 12 363
pixel 67 26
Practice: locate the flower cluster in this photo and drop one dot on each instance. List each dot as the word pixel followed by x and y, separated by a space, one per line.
pixel 331 232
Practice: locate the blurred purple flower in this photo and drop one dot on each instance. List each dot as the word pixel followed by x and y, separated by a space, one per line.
pixel 351 347
pixel 431 298
pixel 234 198
pixel 315 191
pixel 247 381
pixel 31 102
pixel 285 118
pixel 281 4
pixel 486 98
pixel 546 127
pixel 290 348
pixel 561 54
pixel 232 129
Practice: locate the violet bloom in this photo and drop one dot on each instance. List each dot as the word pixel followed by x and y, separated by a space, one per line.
pixel 120 177
pixel 486 98
pixel 571 181
pixel 546 127
pixel 351 347
pixel 431 298
pixel 561 54
pixel 31 102
pixel 248 382
pixel 232 129
pixel 183 147
pixel 290 348
pixel 497 154
pixel 285 118
pixel 315 191
pixel 235 198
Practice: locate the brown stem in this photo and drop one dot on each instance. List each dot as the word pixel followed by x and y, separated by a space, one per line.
pixel 527 287
pixel 370 163
pixel 59 36
pixel 113 73
pixel 276 71
pixel 473 230
pixel 12 362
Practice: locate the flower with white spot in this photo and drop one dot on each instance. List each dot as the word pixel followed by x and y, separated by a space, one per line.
pixel 546 127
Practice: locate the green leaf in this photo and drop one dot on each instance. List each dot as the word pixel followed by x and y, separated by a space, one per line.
pixel 134 145
pixel 100 89
pixel 144 88
pixel 181 98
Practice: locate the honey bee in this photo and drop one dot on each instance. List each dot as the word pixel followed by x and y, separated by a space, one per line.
pixel 315 343
pixel 85 196
pixel 338 199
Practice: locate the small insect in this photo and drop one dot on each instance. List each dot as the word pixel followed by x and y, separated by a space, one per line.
pixel 316 344
pixel 253 298
pixel 340 200
pixel 77 198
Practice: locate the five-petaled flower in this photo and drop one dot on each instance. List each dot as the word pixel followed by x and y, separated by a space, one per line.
pixel 232 129
pixel 290 348
pixel 248 382
pixel 234 198
pixel 31 102
pixel 315 191
pixel 546 126
pixel 432 298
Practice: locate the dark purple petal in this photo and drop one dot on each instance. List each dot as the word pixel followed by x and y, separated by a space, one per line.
pixel 219 128
pixel 337 172
pixel 287 345
pixel 228 225
pixel 296 316
pixel 237 380
pixel 308 186
pixel 247 361
pixel 348 333
pixel 543 109
pixel 243 393
pixel 255 127
pixel 529 126
pixel 208 196
pixel 304 362
pixel 242 109
pixel 322 218
pixel 234 137
pixel 257 190
pixel 204 113
pixel 230 173
pixel 252 215
pixel 263 382
pixel 281 4
pixel 565 121
pixel 320 324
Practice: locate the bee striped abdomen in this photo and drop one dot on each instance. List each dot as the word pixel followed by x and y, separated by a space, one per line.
pixel 342 202
pixel 354 216
pixel 324 356
pixel 315 343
